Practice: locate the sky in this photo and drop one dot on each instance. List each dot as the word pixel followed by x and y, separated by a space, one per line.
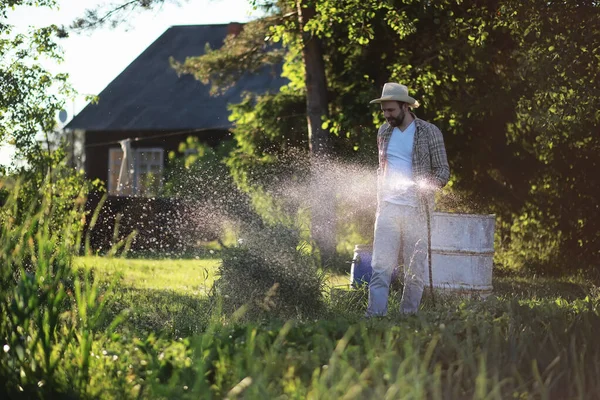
pixel 94 59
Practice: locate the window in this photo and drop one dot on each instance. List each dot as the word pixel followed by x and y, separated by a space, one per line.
pixel 148 168
pixel 145 172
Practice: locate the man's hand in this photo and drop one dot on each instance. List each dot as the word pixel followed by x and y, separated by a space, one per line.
pixel 428 185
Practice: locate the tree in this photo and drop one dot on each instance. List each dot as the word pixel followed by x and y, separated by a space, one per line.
pixel 510 83
pixel 501 79
pixel 28 93
pixel 30 99
pixel 314 77
pixel 249 51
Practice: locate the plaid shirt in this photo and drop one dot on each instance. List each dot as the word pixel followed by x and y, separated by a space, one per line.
pixel 429 160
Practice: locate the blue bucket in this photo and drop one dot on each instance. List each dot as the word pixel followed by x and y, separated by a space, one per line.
pixel 361 270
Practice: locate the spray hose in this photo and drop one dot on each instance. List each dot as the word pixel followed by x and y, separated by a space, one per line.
pixel 428 216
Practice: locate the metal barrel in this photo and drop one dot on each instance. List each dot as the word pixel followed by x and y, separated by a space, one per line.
pixel 462 247
pixel 462 254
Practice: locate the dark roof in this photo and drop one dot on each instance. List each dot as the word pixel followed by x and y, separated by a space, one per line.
pixel 148 94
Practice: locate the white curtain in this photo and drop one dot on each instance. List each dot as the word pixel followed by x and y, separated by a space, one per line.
pixel 126 173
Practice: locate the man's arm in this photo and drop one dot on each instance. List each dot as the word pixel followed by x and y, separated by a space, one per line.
pixel 439 160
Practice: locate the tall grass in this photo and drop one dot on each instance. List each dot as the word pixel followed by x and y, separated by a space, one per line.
pixel 51 311
pixel 494 350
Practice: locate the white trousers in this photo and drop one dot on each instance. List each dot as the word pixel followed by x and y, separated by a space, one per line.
pixel 398 229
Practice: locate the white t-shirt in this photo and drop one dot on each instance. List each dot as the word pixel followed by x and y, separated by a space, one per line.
pixel 398 184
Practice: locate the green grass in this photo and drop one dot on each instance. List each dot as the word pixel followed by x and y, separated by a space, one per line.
pixel 106 328
pixel 195 277
pixel 169 297
pixel 182 276
pixel 166 297
pixel 533 287
pixel 532 338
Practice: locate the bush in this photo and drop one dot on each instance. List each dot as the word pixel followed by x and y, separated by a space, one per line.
pixel 531 243
pixel 272 274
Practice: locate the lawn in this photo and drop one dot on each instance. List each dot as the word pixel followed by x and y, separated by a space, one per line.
pixel 195 277
pixel 535 337
pixel 167 297
pixel 183 276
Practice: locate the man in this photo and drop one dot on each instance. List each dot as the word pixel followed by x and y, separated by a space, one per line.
pixel 412 165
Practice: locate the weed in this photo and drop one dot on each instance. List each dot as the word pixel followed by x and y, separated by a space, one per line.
pixel 272 275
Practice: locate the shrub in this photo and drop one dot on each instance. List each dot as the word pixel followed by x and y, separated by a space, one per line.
pixel 272 274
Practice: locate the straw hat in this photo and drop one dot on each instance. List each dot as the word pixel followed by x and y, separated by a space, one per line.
pixel 395 92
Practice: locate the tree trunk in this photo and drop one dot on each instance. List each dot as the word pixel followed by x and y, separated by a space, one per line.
pixel 322 193
pixel 316 82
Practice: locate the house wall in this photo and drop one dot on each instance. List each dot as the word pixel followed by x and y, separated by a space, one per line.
pixel 98 143
pixel 157 221
pixel 160 224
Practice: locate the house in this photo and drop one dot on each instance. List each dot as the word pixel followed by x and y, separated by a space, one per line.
pixel 142 115
pixel 153 107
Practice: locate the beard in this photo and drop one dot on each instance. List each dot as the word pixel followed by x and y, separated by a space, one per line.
pixel 397 121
